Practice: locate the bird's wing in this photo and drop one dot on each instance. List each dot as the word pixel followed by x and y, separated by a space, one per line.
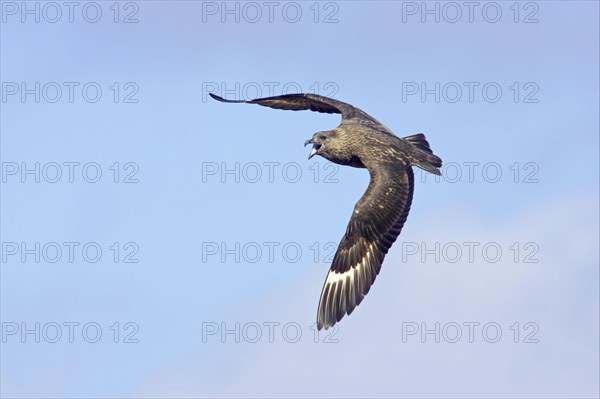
pixel 376 222
pixel 304 101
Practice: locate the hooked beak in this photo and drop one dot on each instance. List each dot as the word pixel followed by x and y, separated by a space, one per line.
pixel 313 151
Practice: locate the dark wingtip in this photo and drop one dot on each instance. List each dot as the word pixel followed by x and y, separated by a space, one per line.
pixel 216 97
pixel 223 100
pixel 323 326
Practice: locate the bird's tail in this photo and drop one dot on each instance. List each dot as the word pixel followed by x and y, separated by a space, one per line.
pixel 423 157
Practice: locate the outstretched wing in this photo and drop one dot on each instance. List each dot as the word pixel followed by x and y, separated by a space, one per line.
pixel 376 222
pixel 304 101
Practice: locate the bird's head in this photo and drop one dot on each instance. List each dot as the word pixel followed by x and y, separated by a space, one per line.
pixel 321 142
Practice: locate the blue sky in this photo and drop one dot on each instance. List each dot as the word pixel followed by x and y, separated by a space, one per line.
pixel 221 223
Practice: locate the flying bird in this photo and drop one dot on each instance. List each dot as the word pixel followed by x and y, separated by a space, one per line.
pixel 361 141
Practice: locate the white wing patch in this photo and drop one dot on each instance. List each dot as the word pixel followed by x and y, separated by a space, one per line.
pixel 332 294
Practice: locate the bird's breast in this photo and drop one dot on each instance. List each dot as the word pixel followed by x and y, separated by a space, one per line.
pixel 352 160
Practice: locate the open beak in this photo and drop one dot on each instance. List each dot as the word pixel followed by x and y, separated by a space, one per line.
pixel 313 151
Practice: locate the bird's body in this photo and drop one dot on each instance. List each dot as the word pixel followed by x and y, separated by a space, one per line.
pixel 363 142
pixel 356 142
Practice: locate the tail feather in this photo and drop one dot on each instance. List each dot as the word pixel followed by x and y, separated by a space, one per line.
pixel 424 157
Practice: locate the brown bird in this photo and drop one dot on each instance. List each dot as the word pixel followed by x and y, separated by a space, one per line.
pixel 362 142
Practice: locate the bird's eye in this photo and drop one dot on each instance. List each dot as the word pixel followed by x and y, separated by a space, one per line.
pixel 323 137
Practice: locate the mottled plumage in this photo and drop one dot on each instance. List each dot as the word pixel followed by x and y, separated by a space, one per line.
pixel 363 142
